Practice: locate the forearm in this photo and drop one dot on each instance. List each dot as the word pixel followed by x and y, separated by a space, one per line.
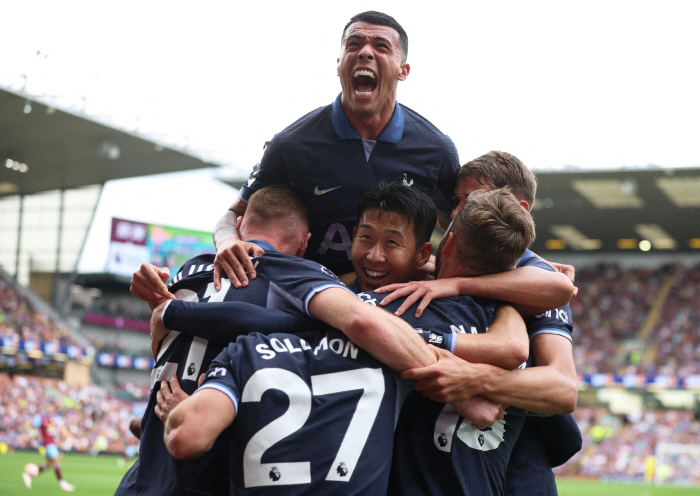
pixel 223 322
pixel 537 389
pixel 226 227
pixel 390 340
pixel 384 336
pixel 505 345
pixel 536 288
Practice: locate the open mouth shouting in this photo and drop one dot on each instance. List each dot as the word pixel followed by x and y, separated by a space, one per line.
pixel 364 82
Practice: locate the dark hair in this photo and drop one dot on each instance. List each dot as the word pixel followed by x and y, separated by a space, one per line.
pixel 380 19
pixel 410 202
pixel 501 170
pixel 492 231
pixel 279 207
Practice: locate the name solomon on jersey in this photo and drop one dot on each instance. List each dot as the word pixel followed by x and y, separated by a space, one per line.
pixel 339 346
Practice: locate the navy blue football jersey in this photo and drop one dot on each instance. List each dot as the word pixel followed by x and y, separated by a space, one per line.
pixel 283 281
pixel 323 158
pixel 435 450
pixel 546 441
pixel 315 414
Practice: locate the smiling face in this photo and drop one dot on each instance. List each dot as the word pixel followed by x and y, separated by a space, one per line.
pixel 370 65
pixel 384 249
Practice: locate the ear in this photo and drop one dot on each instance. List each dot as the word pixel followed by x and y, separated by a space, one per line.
pixel 524 204
pixel 337 66
pixel 239 221
pixel 424 255
pixel 450 246
pixel 405 69
pixel 303 245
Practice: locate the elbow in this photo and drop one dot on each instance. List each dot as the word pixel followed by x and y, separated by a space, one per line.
pixel 182 448
pixel 183 444
pixel 569 397
pixel 517 350
pixel 359 329
pixel 564 291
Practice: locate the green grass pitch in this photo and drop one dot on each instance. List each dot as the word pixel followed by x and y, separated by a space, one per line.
pixel 100 475
pixel 91 475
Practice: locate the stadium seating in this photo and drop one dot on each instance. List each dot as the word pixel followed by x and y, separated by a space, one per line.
pixel 89 419
pixel 623 447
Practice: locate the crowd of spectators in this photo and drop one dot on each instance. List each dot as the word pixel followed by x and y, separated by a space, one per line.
pixel 87 419
pixel 20 320
pixel 611 305
pixel 678 332
pixel 623 447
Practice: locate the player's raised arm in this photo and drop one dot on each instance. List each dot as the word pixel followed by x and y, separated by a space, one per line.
pixel 233 254
pixel 193 426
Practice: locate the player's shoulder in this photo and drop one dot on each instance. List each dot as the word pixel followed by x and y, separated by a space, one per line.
pixel 306 125
pixel 529 259
pixel 199 267
pixel 295 266
pixel 414 120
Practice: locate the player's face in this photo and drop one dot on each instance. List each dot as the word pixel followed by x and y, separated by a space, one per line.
pixel 462 190
pixel 383 249
pixel 370 67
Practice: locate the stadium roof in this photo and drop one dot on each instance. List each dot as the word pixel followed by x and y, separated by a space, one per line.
pixel 47 149
pixel 617 211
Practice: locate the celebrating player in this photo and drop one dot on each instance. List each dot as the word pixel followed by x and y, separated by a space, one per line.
pixel 44 423
pixel 335 153
pixel 285 281
pixel 256 364
pixel 545 441
pixel 392 215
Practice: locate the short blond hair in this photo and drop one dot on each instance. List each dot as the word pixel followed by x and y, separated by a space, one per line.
pixel 492 231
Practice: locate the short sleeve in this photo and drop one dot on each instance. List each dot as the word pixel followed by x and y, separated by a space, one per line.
pixel 221 375
pixel 270 170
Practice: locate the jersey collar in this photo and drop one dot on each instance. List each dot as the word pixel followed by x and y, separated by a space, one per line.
pixel 392 132
pixel 262 244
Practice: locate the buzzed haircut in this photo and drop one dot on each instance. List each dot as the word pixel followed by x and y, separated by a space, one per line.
pixel 278 207
pixel 410 202
pixel 492 231
pixel 381 19
pixel 502 170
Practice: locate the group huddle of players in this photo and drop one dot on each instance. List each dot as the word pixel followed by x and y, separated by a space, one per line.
pixel 277 374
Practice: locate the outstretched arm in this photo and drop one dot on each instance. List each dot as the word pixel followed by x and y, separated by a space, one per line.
pixel 531 289
pixel 384 336
pixel 223 322
pixel 391 341
pixel 232 254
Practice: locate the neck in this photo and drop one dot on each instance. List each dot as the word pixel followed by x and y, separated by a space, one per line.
pixel 456 270
pixel 371 126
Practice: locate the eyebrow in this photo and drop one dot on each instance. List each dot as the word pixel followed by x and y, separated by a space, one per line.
pixel 376 38
pixel 392 231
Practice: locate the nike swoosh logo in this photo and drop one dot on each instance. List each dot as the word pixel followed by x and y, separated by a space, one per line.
pixel 324 191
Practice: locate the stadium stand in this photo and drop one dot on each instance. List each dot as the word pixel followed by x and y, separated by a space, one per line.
pixel 88 419
pixel 622 447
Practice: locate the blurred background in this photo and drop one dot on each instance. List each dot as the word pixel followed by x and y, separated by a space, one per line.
pixel 127 128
